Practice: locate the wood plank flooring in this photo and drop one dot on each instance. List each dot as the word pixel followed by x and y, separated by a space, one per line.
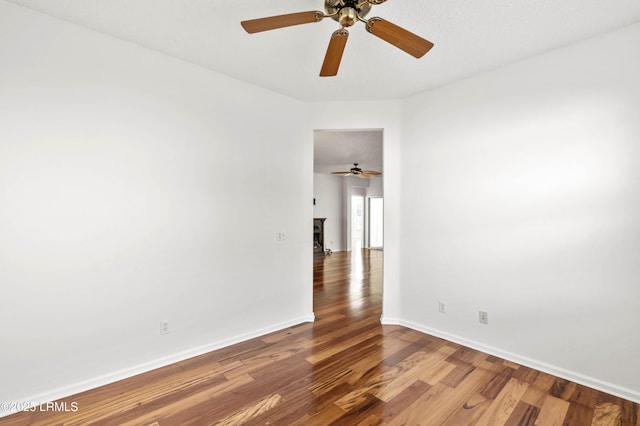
pixel 344 369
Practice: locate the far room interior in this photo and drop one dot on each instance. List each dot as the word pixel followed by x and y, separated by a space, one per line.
pixel 342 199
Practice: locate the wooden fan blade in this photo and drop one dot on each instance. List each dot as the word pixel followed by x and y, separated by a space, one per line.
pixel 369 173
pixel 334 53
pixel 280 21
pixel 341 173
pixel 405 40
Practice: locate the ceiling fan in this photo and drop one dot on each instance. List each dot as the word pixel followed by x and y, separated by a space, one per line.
pixel 347 13
pixel 357 171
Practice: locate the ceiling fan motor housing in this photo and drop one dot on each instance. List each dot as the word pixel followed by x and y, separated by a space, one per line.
pixel 346 12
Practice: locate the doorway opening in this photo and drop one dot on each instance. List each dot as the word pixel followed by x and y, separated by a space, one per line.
pixel 349 206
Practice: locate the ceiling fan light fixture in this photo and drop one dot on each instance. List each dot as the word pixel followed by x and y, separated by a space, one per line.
pixel 347 16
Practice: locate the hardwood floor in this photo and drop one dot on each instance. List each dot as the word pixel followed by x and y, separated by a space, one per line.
pixel 344 369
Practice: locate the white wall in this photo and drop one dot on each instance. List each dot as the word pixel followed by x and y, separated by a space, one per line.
pixel 522 198
pixel 375 188
pixel 137 188
pixel 329 195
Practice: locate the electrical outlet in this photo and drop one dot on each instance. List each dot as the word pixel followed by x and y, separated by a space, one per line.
pixel 164 327
pixel 483 317
pixel 442 307
pixel 281 236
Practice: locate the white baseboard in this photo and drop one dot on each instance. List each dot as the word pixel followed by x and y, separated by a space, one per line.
pixel 126 373
pixel 389 321
pixel 591 382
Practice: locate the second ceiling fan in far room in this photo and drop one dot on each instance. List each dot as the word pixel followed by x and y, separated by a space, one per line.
pixel 346 13
pixel 358 172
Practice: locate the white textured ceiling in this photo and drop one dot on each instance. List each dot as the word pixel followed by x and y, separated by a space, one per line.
pixel 470 37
